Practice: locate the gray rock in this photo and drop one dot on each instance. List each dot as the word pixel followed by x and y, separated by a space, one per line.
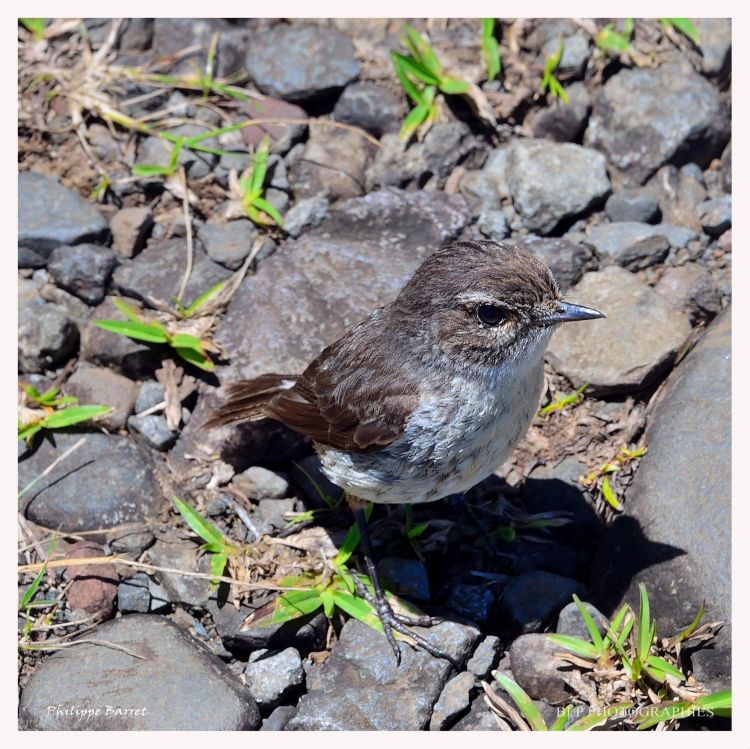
pixel 575 54
pixel 99 386
pixel 84 270
pixel 50 215
pixel 136 34
pixel 570 621
pixel 485 657
pixel 131 228
pixel 260 483
pixel 305 214
pixel 552 182
pixel 181 555
pixel 282 135
pixel 645 118
pixel 560 121
pixel 62 691
pixel 316 487
pixel 474 602
pixel 133 595
pixel 493 225
pixel 479 718
pixel 715 35
pixel 272 511
pixel 160 599
pixel 627 243
pixel 679 192
pixel 371 691
pixel 153 430
pixel 692 289
pixel 333 164
pixel 153 150
pixel 533 598
pixel 108 481
pixel 150 394
pixel 629 349
pixel 675 533
pixel 634 204
pixel 478 187
pixel 371 106
pixel 278 199
pixel 405 577
pixel 716 215
pixel 156 273
pixel 536 669
pixel 228 244
pixel 454 700
pixel 289 75
pixel 274 677
pixel 130 542
pixel 726 168
pixel 278 719
pixel 567 260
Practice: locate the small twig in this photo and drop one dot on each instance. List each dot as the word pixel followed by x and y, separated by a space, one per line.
pixel 56 645
pixel 189 236
pixel 51 466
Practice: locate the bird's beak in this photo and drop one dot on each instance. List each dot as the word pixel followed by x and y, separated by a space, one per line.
pixel 567 312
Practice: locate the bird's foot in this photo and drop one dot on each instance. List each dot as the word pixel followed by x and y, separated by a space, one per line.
pixel 393 622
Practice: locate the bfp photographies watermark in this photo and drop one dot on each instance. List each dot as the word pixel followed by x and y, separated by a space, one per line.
pixel 87 713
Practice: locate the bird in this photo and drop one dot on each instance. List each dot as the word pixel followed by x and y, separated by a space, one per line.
pixel 426 396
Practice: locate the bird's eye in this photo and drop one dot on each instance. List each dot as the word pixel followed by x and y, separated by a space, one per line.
pixel 489 314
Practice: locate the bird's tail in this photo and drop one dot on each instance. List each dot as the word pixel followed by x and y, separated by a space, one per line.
pixel 247 400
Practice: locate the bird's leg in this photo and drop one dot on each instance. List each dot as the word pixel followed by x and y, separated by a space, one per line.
pixel 391 621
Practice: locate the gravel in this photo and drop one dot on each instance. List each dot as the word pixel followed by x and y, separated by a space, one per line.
pixel 633 204
pixel 97 385
pixel 274 677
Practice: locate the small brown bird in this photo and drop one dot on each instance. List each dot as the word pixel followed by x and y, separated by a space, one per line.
pixel 426 396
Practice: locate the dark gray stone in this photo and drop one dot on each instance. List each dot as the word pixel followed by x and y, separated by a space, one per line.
pixel 316 487
pixel 533 598
pixel 153 430
pixel 628 243
pixel 274 677
pixel 103 387
pixel 181 555
pixel 536 669
pixel 570 622
pixel 575 54
pixel 644 118
pixel 567 260
pixel 692 289
pixel 66 686
pixel 107 481
pixel 454 700
pixel 675 533
pixel 228 244
pixel 130 542
pixel 272 511
pixel 405 577
pixel 150 394
pixel 634 204
pixel 133 595
pixel 131 228
pixel 155 150
pixel 372 692
pixel 474 602
pixel 282 135
pixel 479 718
pixel 50 215
pixel 371 106
pixel 613 354
pixel 560 121
pixel 278 719
pixel 485 657
pixel 305 214
pixel 715 35
pixel 716 215
pixel 290 75
pixel 160 600
pixel 260 483
pixel 552 182
pixel 493 225
pixel 679 192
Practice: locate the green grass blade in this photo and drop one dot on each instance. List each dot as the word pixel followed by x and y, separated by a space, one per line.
pixel 28 431
pixel 685 26
pixel 196 358
pixel 357 608
pixel 591 626
pixel 351 541
pixel 424 52
pixel 656 663
pixel 685 634
pixel 594 719
pixel 204 297
pixel 413 120
pixel 562 719
pixel 609 494
pixel 31 591
pixel 185 340
pixel 269 210
pixel 326 597
pixel 411 90
pixel 130 312
pixel 260 166
pixel 645 630
pixel 217 566
pixel 149 332
pixel 453 86
pixel 575 645
pixel 198 524
pixel 35 26
pixel 413 68
pixel 150 170
pixel 719 702
pixel 523 702
pixel 74 415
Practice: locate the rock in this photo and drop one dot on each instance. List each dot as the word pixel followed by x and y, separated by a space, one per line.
pixel 50 215
pixel 181 555
pixel 131 228
pixel 133 596
pixel 454 700
pixel 628 243
pixel 272 511
pixel 567 260
pixel 726 168
pixel 474 602
pixel 533 598
pixel 66 692
pixel 98 346
pixel 108 481
pixel 575 53
pixel 614 355
pixel 537 671
pixel 552 182
pixel 156 273
pixel 332 165
pixel 645 253
pixel 92 589
pixel 645 118
pixel 290 75
pixel 675 532
pixel 361 255
pixel 308 475
pixel 371 691
pixel 405 577
pixel 150 394
pixel 230 243
pixel 282 135
pixel 679 192
pixel 478 187
pixel 84 270
pixel 634 204
pixel 716 215
pixel 47 334
pixel 130 542
pixel 715 36
pixel 305 633
pixel 160 600
pixel 479 718
pixel 153 430
pixel 278 719
pixel 563 122
pixel 136 34
pixel 485 657
pixel 274 677
pixel 305 214
pixel 692 289
pixel 371 106
pixel 99 386
pixel 260 483
pixel 278 199
pixel 493 225
pixel 156 150
pixel 570 622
